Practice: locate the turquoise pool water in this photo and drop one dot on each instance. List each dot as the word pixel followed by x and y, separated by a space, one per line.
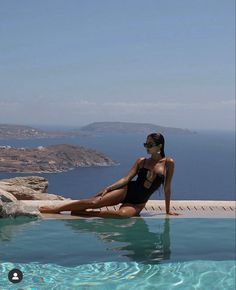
pixel 137 253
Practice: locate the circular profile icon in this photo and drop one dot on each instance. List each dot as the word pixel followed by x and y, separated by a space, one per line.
pixel 15 275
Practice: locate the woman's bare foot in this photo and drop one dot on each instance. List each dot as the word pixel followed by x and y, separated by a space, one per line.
pixel 47 209
pixel 173 213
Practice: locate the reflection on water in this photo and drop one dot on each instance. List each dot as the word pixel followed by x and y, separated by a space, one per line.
pixel 136 240
pixel 141 240
pixel 11 227
pixel 84 241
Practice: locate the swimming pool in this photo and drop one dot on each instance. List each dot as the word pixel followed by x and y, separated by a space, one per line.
pixel 137 253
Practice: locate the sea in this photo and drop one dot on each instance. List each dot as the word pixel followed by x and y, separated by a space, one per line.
pixel 204 164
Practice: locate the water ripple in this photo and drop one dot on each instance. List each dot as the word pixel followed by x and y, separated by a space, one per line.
pixel 214 275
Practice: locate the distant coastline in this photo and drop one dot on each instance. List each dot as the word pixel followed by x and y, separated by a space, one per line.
pixel 8 131
pixel 26 132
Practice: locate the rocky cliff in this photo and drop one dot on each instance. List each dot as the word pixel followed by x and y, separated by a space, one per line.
pixel 13 190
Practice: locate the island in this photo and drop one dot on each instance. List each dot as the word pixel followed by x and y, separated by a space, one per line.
pixel 54 158
pixel 131 128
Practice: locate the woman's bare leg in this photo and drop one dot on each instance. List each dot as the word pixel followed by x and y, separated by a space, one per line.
pixel 125 211
pixel 111 198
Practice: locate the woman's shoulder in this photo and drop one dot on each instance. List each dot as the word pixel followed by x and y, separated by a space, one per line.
pixel 140 161
pixel 170 163
pixel 169 160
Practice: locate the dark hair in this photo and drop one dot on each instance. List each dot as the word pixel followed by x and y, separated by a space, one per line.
pixel 159 139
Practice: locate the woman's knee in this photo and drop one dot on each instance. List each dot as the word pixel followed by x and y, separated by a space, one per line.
pixel 95 201
pixel 127 212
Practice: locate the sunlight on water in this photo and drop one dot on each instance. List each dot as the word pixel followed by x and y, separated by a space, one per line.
pixel 186 275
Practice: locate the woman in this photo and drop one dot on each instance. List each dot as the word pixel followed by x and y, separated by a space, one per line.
pixel 132 195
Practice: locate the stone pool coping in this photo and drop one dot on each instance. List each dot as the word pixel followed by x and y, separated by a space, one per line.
pixel 156 209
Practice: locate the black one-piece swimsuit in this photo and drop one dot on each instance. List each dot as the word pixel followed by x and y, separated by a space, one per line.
pixel 137 192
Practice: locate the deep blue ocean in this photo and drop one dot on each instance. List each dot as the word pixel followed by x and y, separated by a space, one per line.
pixel 204 164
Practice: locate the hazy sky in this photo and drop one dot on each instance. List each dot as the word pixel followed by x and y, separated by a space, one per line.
pixel 72 62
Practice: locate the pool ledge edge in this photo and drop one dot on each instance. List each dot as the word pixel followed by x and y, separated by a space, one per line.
pixel 156 209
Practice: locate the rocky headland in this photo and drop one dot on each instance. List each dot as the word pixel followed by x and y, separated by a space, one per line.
pixel 55 158
pixel 14 190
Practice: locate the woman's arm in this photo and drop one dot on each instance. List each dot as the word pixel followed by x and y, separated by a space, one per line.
pixel 124 180
pixel 167 186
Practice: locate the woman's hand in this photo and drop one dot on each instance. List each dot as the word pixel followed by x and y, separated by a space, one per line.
pixel 102 193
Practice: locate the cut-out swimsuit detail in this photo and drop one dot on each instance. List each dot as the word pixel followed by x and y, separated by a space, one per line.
pixel 140 190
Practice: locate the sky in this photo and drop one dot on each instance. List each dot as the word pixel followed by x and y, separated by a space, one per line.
pixel 74 62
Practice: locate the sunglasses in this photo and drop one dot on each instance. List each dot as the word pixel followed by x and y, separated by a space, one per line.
pixel 148 145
